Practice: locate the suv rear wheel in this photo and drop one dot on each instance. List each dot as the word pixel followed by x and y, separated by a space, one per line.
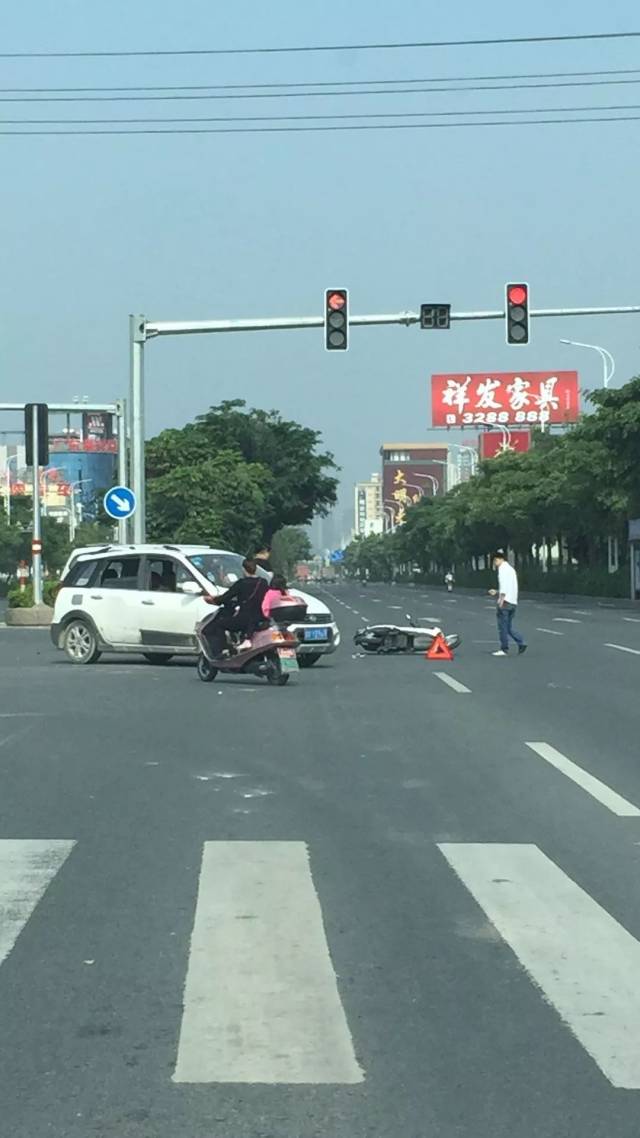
pixel 81 642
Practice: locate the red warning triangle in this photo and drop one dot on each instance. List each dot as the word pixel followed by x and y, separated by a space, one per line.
pixel 439 649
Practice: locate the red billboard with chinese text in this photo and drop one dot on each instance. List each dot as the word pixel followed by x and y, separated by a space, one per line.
pixel 492 443
pixel 520 398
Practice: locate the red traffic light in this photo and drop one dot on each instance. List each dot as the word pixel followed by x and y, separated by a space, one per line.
pixel 336 300
pixel 517 294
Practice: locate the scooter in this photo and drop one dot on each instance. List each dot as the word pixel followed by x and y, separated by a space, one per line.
pixel 271 654
pixel 389 639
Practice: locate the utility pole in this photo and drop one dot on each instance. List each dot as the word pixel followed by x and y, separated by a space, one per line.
pixel 36 544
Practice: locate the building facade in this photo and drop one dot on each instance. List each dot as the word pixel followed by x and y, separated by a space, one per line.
pixel 411 471
pixel 368 512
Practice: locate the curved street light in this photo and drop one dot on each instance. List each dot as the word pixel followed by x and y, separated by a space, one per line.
pixel 608 362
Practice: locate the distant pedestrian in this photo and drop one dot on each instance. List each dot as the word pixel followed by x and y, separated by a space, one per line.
pixel 507 594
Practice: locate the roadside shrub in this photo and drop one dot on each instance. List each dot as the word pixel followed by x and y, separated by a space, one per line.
pixel 23 598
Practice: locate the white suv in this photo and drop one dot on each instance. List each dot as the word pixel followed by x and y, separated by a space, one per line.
pixel 147 599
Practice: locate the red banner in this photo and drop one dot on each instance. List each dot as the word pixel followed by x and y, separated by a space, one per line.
pixel 526 397
pixel 497 442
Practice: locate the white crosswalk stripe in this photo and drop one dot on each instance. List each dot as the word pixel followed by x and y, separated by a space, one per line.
pixel 261 1003
pixel 26 870
pixel 585 963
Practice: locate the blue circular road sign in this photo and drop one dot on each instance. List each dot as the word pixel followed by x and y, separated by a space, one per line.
pixel 120 502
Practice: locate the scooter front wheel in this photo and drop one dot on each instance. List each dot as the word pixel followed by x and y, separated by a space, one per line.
pixel 206 671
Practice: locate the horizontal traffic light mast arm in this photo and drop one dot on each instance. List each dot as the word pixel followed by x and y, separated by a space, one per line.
pixel 282 323
pixel 70 408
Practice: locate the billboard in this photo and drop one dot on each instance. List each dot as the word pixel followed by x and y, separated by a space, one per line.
pixel 519 398
pixel 97 426
pixel 492 443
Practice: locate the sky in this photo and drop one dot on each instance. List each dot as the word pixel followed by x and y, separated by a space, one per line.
pixel 226 226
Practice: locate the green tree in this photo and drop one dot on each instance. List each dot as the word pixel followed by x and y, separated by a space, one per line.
pixel 289 546
pixel 301 484
pixel 218 500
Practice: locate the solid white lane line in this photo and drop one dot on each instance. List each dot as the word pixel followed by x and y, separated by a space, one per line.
pixel 566 620
pixel 551 631
pixel 598 790
pixel 622 648
pixel 26 869
pixel 261 1003
pixel 586 964
pixel 455 684
pixel 632 619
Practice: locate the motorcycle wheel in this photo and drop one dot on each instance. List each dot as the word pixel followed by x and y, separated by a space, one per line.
pixel 275 676
pixel 206 671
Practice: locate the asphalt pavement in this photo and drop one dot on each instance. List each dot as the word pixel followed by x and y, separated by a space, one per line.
pixel 396 899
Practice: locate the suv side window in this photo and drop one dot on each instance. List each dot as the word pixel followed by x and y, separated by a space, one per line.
pixel 81 574
pixel 119 573
pixel 163 575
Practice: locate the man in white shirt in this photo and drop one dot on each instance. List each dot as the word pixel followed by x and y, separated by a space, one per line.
pixel 507 593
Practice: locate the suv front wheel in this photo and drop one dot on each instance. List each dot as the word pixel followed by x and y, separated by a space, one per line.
pixel 81 642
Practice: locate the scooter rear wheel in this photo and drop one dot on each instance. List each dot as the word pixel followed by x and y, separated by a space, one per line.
pixel 206 671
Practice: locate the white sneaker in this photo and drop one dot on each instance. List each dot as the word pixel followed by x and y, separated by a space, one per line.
pixel 244 647
pixel 500 653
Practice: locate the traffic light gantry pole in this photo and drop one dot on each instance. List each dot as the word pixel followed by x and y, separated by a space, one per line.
pixel 141 330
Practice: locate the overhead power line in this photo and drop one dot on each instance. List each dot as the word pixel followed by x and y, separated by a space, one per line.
pixel 325 129
pixel 331 117
pixel 316 94
pixel 342 83
pixel 306 48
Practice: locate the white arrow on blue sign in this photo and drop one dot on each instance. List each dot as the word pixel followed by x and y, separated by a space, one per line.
pixel 120 502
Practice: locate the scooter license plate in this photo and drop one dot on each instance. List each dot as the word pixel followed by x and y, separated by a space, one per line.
pixel 288 659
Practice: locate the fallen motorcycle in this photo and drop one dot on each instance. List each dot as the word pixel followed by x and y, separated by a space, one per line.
pixel 390 639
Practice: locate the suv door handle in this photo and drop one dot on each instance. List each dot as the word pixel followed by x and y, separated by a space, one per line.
pixel 148 602
pixel 96 596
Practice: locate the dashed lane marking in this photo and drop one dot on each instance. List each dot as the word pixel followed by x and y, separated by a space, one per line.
pixel 454 684
pixel 623 648
pixel 598 790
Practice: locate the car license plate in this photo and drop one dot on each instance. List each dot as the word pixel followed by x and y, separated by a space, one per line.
pixel 288 659
pixel 316 633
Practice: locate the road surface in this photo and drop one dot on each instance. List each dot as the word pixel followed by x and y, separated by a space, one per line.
pixel 396 900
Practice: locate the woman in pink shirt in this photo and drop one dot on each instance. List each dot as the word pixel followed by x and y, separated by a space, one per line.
pixel 276 595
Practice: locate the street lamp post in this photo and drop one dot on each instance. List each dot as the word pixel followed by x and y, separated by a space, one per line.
pixel 434 481
pixel 608 362
pixel 608 372
pixel 72 505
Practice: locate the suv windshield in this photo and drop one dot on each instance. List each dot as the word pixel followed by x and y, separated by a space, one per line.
pixel 222 569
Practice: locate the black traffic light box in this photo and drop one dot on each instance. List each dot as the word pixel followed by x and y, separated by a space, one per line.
pixel 42 418
pixel 336 319
pixel 435 316
pixel 517 304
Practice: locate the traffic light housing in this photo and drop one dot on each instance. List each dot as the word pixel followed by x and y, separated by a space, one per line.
pixel 336 319
pixel 42 416
pixel 517 308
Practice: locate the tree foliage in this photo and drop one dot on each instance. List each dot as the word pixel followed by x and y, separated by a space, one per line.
pixel 289 546
pixel 572 491
pixel 284 479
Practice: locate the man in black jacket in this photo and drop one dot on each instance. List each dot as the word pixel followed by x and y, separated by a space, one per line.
pixel 241 609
